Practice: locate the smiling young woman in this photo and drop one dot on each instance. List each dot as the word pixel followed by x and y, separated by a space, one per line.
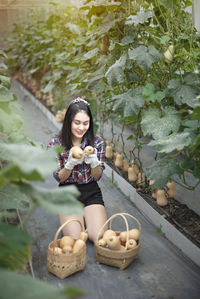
pixel 77 130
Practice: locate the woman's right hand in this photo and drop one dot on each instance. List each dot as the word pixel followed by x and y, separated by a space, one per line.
pixel 71 162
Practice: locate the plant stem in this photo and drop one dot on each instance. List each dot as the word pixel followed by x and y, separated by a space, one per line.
pixel 129 7
pixel 27 217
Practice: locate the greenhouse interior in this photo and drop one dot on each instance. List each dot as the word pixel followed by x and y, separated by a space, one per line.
pixel 101 98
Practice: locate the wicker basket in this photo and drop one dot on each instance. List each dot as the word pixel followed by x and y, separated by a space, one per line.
pixel 116 258
pixel 63 265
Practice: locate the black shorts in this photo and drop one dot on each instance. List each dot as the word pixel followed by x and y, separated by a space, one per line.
pixel 90 193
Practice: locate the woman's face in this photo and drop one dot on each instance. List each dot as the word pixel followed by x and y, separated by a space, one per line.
pixel 80 124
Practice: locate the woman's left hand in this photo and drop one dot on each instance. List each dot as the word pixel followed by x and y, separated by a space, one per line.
pixel 92 159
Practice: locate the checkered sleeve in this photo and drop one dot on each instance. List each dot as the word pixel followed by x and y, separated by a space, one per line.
pixel 100 146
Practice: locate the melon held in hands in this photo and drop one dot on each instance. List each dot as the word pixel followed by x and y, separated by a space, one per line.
pixel 76 152
pixel 88 150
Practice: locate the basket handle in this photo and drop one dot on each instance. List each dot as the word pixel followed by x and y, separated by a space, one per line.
pixel 65 223
pixel 126 214
pixel 110 219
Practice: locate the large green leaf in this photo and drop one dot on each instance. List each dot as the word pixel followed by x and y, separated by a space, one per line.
pixel 57 200
pixel 14 285
pixel 17 260
pixel 13 238
pixel 98 7
pixel 13 173
pixel 5 81
pixel 12 198
pixel 128 103
pixel 29 158
pixel 108 22
pixel 140 18
pixel 184 91
pixel 145 56
pixel 115 73
pixel 175 141
pixel 14 247
pixel 95 79
pixel 162 170
pixel 10 122
pixel 18 137
pixel 160 123
pixel 5 94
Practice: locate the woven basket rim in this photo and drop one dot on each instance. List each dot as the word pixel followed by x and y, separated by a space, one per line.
pixel 64 224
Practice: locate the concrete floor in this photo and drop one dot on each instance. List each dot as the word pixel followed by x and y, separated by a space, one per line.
pixel 160 271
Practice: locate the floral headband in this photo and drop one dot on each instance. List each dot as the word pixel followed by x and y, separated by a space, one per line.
pixel 79 100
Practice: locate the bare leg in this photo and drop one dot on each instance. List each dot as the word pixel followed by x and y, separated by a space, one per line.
pixel 73 228
pixel 95 217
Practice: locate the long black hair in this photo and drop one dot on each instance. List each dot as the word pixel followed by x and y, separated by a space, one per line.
pixel 66 134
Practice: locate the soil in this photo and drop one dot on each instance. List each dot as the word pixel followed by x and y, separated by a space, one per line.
pixel 178 214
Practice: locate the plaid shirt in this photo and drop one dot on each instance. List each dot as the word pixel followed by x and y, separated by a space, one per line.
pixel 81 173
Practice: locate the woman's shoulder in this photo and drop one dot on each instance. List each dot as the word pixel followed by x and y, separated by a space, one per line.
pixel 98 140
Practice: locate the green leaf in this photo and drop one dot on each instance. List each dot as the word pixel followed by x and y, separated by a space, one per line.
pixel 162 170
pixel 3 54
pixel 90 54
pixel 164 39
pixel 152 95
pixel 48 87
pixel 5 81
pixel 3 66
pixel 26 287
pixel 13 238
pixel 160 123
pixel 129 103
pixel 17 137
pixel 108 23
pixel 175 141
pixel 73 28
pixel 126 40
pixel 29 158
pixel 5 94
pixel 145 56
pixel 141 18
pixel 34 70
pixel 10 122
pixel 115 73
pixel 12 198
pixel 193 124
pixel 184 92
pixel 196 113
pixel 16 261
pixel 94 81
pixel 13 173
pixel 57 200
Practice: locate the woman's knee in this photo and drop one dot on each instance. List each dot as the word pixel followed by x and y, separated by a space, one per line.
pixel 73 227
pixel 95 216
